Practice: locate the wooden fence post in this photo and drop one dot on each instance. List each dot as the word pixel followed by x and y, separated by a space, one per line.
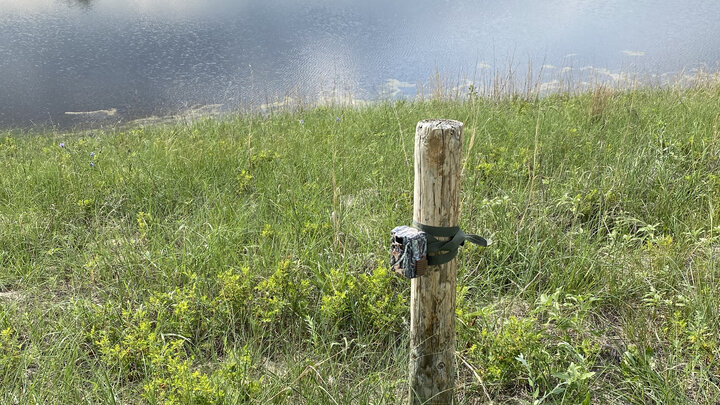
pixel 438 156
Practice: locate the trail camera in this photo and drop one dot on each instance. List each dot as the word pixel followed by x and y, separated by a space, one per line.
pixel 408 251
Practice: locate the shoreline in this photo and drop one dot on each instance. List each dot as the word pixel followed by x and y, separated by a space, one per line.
pixel 562 81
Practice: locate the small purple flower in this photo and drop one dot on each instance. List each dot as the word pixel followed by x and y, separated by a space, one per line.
pixel 62 144
pixel 337 119
pixel 92 154
pixel 302 122
pixel 92 164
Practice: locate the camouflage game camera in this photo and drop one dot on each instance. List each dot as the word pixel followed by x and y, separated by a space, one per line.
pixel 408 251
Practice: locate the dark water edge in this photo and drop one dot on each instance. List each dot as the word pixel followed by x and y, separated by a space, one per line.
pixel 496 86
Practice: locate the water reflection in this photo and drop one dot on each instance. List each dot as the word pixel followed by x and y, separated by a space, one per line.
pixel 153 57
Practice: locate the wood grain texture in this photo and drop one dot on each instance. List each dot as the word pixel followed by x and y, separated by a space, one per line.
pixel 438 157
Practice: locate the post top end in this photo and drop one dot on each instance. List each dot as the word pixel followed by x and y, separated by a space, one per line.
pixel 440 123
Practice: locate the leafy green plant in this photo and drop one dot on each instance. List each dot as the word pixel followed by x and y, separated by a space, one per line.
pixel 282 294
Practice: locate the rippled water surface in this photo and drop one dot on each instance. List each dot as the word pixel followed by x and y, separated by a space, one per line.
pixel 71 61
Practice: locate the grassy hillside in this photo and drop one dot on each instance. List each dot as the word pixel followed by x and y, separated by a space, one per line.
pixel 245 260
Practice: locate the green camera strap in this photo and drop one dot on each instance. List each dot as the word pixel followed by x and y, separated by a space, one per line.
pixel 450 247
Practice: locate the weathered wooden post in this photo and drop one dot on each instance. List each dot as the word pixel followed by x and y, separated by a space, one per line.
pixel 438 152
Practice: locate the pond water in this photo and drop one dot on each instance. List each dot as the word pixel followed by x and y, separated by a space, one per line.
pixel 68 62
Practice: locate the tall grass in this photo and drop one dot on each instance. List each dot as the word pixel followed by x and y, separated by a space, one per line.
pixel 244 260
